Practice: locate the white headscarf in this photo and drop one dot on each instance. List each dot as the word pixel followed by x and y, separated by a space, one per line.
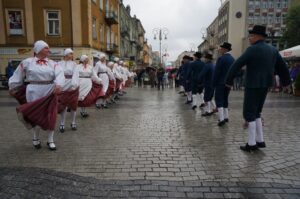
pixel 83 58
pixel 39 45
pixel 121 62
pixel 68 51
pixel 116 59
pixel 102 55
pixel 110 64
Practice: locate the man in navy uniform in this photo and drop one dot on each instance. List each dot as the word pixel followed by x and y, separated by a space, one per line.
pixel 193 75
pixel 206 77
pixel 186 78
pixel 262 62
pixel 221 91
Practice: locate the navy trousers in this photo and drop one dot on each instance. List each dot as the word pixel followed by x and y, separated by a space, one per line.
pixel 221 96
pixel 208 93
pixel 254 99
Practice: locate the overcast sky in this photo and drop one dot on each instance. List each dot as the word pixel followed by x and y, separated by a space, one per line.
pixel 183 18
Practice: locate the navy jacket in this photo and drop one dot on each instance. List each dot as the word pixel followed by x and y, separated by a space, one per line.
pixel 262 61
pixel 195 69
pixel 206 76
pixel 222 66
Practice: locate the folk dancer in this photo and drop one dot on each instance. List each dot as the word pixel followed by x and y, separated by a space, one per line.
pixel 221 91
pixel 70 90
pixel 90 85
pixel 45 79
pixel 262 62
pixel 101 70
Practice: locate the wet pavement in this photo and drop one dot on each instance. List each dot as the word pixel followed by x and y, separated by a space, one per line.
pixel 152 145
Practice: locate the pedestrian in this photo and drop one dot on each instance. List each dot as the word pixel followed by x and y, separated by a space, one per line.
pixel 195 70
pixel 90 87
pixel 206 77
pixel 9 69
pixel 101 70
pixel 112 84
pixel 160 78
pixel 70 90
pixel 221 91
pixel 119 78
pixel 262 62
pixel 44 79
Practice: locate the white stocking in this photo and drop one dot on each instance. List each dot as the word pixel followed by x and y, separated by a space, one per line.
pixel 73 115
pixel 259 130
pixel 50 136
pixel 251 133
pixel 63 117
pixel 221 114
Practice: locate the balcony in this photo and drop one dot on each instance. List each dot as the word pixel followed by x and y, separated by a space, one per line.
pixel 111 17
pixel 111 48
pixel 124 31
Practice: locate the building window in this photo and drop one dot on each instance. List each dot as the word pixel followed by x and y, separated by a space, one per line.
pixel 94 30
pixel 271 4
pixel 257 4
pixel 102 33
pixel 53 22
pixel 101 4
pixel 14 22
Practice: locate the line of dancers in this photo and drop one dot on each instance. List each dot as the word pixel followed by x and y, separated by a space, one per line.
pixel 45 88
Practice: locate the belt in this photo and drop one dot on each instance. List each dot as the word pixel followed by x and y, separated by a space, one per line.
pixel 84 76
pixel 68 76
pixel 101 73
pixel 41 82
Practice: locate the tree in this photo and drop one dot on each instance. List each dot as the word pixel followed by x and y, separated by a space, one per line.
pixel 292 34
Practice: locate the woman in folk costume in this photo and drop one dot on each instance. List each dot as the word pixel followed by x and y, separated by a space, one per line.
pixel 45 79
pixel 101 70
pixel 112 83
pixel 90 87
pixel 119 79
pixel 124 77
pixel 70 90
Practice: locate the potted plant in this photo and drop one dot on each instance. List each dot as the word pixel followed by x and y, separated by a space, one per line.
pixel 297 85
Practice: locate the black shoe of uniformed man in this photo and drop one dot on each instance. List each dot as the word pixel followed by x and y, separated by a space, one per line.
pixel 206 114
pixel 189 102
pixel 261 144
pixel 226 120
pixel 202 105
pixel 221 123
pixel 194 107
pixel 249 148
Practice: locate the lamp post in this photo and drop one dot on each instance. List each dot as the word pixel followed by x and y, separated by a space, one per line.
pixel 162 35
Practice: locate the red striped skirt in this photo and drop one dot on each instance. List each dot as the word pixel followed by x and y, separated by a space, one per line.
pixel 20 95
pixel 41 112
pixel 111 89
pixel 118 84
pixel 92 97
pixel 68 99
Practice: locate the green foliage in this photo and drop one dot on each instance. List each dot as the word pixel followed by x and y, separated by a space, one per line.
pixel 297 82
pixel 292 34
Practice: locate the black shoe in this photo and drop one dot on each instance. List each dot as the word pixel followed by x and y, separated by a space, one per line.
pixel 38 144
pixel 221 123
pixel 202 105
pixel 226 120
pixel 261 144
pixel 82 114
pixel 249 148
pixel 117 97
pixel 98 106
pixel 86 115
pixel 105 106
pixel 206 114
pixel 188 102
pixel 194 107
pixel 51 148
pixel 62 128
pixel 73 127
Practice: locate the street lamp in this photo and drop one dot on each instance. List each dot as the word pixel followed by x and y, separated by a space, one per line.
pixel 162 35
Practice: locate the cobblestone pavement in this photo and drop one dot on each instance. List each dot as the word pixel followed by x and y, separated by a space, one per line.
pixel 152 145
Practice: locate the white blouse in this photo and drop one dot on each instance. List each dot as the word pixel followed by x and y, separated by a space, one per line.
pixel 36 72
pixel 71 75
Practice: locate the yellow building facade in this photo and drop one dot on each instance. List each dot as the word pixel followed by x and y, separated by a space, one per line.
pixel 88 27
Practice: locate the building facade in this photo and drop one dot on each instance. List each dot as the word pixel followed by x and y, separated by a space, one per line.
pixel 87 26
